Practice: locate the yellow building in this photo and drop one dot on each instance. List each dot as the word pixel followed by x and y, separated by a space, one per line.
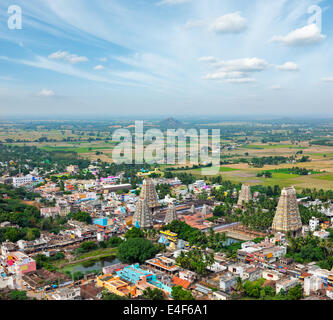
pixel 169 235
pixel 147 174
pixel 116 285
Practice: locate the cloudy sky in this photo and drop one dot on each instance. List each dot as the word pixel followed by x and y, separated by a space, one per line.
pixel 168 57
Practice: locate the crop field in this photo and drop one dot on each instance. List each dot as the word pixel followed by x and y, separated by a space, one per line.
pixel 275 146
pixel 93 141
pixel 320 166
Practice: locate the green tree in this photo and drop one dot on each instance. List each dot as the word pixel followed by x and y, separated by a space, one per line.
pixel 153 294
pixel 136 250
pixel 18 295
pixel 134 233
pixel 295 293
pixel 178 293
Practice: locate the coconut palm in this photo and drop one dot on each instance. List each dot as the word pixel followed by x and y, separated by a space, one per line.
pixel 239 284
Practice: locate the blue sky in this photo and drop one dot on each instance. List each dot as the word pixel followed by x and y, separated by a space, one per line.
pixel 166 56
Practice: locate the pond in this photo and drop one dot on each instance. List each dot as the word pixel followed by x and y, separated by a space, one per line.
pixel 230 241
pixel 93 265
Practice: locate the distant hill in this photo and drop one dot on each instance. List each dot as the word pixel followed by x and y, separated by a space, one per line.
pixel 171 123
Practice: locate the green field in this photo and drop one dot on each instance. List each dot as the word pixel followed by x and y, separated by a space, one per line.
pixel 77 149
pixel 287 171
pixel 274 146
pixel 210 169
pixel 328 177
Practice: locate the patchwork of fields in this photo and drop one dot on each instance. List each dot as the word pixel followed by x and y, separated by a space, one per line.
pixel 321 158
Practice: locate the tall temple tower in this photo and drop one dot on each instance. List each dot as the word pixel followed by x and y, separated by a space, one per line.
pixel 192 209
pixel 148 192
pixel 204 210
pixel 287 217
pixel 142 215
pixel 171 214
pixel 244 195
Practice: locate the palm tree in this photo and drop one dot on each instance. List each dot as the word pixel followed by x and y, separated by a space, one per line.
pixel 223 238
pixel 239 284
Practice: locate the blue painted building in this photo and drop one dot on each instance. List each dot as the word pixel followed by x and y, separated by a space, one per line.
pixel 134 273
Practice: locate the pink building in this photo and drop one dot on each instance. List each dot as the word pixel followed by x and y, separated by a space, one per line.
pixel 20 263
pixel 50 212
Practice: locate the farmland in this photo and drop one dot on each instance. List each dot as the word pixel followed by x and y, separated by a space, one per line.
pixel 243 146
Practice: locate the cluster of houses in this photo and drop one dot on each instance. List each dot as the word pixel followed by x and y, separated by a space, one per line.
pixel 112 210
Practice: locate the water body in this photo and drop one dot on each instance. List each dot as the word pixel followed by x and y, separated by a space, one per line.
pixel 93 265
pixel 230 241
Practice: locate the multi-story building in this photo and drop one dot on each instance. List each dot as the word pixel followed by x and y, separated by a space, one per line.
pixel 313 224
pixel 142 278
pixel 286 284
pixel 20 263
pixel 312 283
pixel 227 282
pixel 50 212
pixel 116 285
pixel 271 275
pixel 20 181
pixel 164 264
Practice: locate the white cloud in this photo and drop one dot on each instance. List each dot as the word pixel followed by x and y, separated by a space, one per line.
pixel 241 80
pixel 288 66
pixel 163 2
pixel 308 35
pixel 43 63
pixel 327 79
pixel 224 75
pixel 207 59
pixel 104 59
pixel 229 23
pixel 234 71
pixel 46 93
pixel 71 58
pixel 243 65
pixel 99 67
pixel 276 87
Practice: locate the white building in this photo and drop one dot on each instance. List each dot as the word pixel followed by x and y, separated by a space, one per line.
pixel 227 281
pixel 199 184
pixel 252 274
pixel 7 282
pixel 238 268
pixel 67 294
pixel 313 224
pixel 286 284
pixel 278 237
pixel 20 181
pixel 322 234
pixel 219 295
pixel 313 283
pixel 187 275
pixel 329 294
pixel 217 267
pixel 271 275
